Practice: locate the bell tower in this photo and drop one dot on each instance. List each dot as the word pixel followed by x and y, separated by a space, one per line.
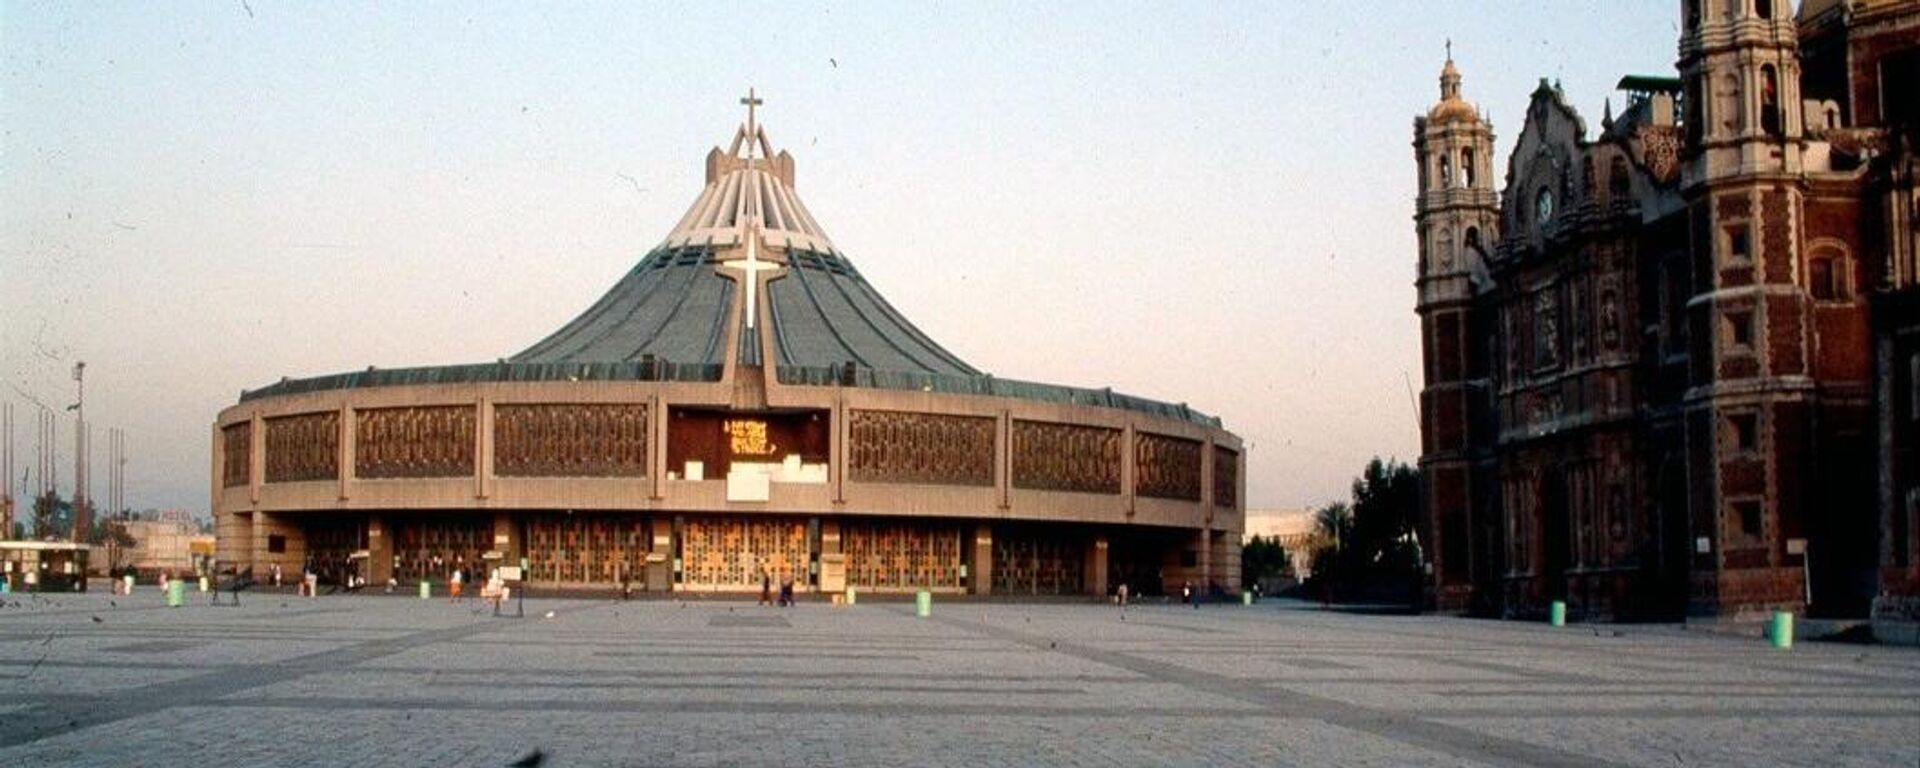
pixel 1456 216
pixel 1751 394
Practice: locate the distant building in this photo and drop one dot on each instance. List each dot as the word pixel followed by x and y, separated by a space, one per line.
pixel 170 545
pixel 1671 368
pixel 1296 530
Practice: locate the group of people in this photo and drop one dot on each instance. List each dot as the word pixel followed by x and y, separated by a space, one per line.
pixel 766 589
pixel 1189 594
pixel 495 588
pixel 309 585
pixel 122 580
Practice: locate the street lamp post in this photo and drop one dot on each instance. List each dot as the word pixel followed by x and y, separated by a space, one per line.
pixel 82 522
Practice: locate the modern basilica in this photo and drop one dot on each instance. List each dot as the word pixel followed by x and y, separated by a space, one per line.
pixel 742 405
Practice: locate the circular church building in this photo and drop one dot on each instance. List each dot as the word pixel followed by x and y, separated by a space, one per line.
pixel 743 403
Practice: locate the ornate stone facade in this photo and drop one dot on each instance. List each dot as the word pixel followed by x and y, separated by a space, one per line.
pixel 570 440
pixel 236 454
pixel 1226 477
pixel 303 447
pixel 902 447
pixel 434 441
pixel 1648 386
pixel 1166 467
pixel 1065 457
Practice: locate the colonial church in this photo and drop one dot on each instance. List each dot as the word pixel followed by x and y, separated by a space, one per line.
pixel 1671 367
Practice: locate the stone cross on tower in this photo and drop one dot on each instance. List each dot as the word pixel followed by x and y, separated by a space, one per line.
pixel 751 266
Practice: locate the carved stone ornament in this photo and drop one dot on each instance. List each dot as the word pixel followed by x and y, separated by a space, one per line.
pixel 1065 457
pixel 900 447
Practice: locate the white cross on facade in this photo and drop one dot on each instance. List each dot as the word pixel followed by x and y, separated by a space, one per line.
pixel 750 269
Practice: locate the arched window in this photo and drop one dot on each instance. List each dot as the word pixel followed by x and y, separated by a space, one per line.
pixel 1827 273
pixel 1466 167
pixel 1619 179
pixel 1446 172
pixel 1473 238
pixel 1731 111
pixel 1821 281
pixel 1695 95
pixel 1769 101
pixel 1543 205
pixel 1763 8
pixel 1693 14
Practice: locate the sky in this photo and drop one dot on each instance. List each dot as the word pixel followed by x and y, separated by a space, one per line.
pixel 1199 203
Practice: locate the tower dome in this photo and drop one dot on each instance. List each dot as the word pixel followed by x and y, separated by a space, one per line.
pixel 1451 107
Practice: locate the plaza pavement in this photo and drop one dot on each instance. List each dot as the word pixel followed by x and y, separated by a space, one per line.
pixel 389 681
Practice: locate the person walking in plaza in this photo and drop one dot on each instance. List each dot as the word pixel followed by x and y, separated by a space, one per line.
pixel 766 587
pixel 453 586
pixel 1122 594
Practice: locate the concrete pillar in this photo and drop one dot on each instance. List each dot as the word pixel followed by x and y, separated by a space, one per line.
pixel 292 559
pixel 980 573
pixel 657 448
pixel 506 537
pixel 1206 557
pixel 483 451
pixel 379 550
pixel 837 451
pixel 660 560
pixel 1096 567
pixel 233 537
pixel 345 455
pixel 1206 479
pixel 1003 459
pixel 256 457
pixel 833 558
pixel 1226 560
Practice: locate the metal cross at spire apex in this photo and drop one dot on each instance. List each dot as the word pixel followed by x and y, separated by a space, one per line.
pixel 753 128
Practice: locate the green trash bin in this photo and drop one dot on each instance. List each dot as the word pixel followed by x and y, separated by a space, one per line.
pixel 426 589
pixel 1780 630
pixel 1246 597
pixel 1557 613
pixel 176 593
pixel 923 604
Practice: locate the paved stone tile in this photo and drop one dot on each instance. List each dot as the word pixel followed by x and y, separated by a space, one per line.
pixel 374 680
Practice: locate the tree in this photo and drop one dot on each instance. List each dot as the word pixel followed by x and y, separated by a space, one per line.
pixel 1263 558
pixel 1386 500
pixel 113 535
pixel 52 516
pixel 1333 528
pixel 1367 548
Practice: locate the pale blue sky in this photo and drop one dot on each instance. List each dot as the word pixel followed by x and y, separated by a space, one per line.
pixel 1199 203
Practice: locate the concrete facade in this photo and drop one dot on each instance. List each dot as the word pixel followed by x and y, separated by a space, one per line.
pixel 744 389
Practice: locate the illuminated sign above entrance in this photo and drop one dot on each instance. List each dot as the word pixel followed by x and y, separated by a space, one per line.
pixel 748 437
